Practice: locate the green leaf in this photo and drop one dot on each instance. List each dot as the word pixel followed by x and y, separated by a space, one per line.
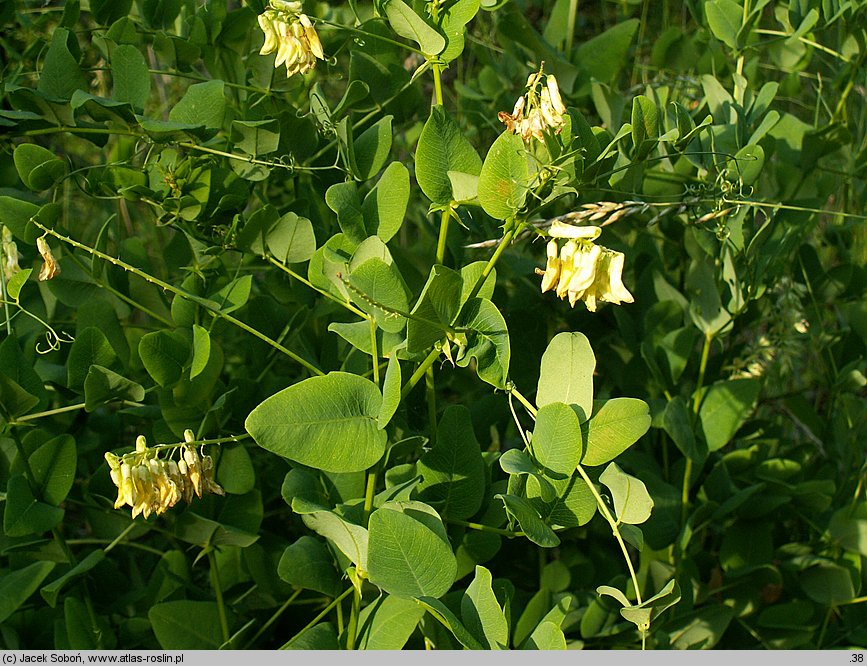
pixel 234 295
pixel 24 514
pixel 201 350
pixel 51 591
pixel 529 520
pixel 388 622
pixel 517 462
pixel 546 636
pixel 131 81
pixel 450 621
pixel 481 612
pixel 604 56
pixel 204 104
pixel 406 557
pixel 90 348
pixel 724 18
pixel 37 167
pixel 172 625
pixel 390 392
pixel 384 206
pixel 436 309
pixel 235 472
pixel 291 239
pixel 406 23
pixel 617 425
pixel 17 282
pixel 107 12
pixel 575 506
pixel 676 422
pixel 453 471
pixel 487 341
pixel 746 166
pixel 308 564
pixel 256 137
pixel 14 400
pixel 632 502
pixel 164 355
pixel 378 284
pixel 324 422
pixel 16 215
pixel 454 21
pixel 53 467
pixel 17 586
pixel 725 407
pixel 504 178
pixel 645 126
pixel 700 629
pixel 557 441
pixel 343 199
pixel 371 148
pixel 103 385
pixel 442 147
pixel 566 374
pixel 61 76
pixel 827 583
pixel 705 306
pixel 350 539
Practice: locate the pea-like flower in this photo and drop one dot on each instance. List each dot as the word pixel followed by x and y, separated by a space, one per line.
pixel 50 267
pixel 540 109
pixel 292 35
pixel 582 270
pixel 9 253
pixel 150 484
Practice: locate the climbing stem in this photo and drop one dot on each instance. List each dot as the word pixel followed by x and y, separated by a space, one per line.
pixel 603 509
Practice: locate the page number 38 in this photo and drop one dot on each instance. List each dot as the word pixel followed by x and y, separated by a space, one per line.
pixel 857 658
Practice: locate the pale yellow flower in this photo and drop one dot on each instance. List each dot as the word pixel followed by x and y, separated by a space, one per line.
pixel 582 270
pixel 9 251
pixel 150 484
pixel 539 110
pixel 292 35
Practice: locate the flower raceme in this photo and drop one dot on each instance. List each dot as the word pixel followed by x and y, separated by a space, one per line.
pixel 541 108
pixel 291 34
pixel 150 484
pixel 582 270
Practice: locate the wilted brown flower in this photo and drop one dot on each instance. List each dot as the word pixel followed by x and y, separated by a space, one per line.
pixel 50 267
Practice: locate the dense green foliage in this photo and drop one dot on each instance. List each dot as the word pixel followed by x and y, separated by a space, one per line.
pixel 300 309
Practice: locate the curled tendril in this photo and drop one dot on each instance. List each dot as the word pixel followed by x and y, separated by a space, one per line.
pixel 54 339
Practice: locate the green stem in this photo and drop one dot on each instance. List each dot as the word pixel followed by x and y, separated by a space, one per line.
pixel 419 373
pixel 322 292
pixel 218 593
pixel 484 528
pixel 696 406
pixel 431 399
pixel 444 232
pixel 603 509
pixel 570 26
pixel 352 627
pixel 527 404
pixel 203 302
pixel 3 289
pixel 501 247
pixel 274 617
pixel 373 349
pixel 120 537
pixel 369 493
pixel 316 619
pixel 50 412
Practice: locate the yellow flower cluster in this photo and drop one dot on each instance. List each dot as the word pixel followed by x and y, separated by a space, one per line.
pixel 538 110
pixel 150 484
pixel 582 270
pixel 291 34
